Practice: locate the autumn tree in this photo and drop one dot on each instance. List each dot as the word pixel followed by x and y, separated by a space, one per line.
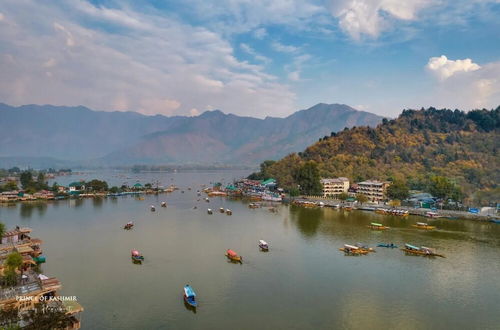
pixel 308 179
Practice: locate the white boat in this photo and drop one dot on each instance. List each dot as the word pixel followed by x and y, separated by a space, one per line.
pixel 263 245
pixel 272 198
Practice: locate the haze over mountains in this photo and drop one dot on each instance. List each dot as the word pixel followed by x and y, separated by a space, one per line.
pixel 56 135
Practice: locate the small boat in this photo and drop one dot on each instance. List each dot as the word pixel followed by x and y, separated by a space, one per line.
pixel 233 256
pixel 431 214
pixel 423 225
pixel 39 260
pixel 365 247
pixel 152 208
pixel 377 226
pixel 497 221
pixel 387 245
pixel 163 204
pixel 209 211
pixel 422 251
pixel 128 225
pixel 190 296
pixel 229 212
pixel 221 210
pixel 347 208
pixel 136 256
pixel 207 200
pixel 254 205
pixel 263 245
pixel 353 250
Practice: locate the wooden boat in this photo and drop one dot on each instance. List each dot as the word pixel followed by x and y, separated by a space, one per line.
pixel 353 250
pixel 207 200
pixel 377 226
pixel 365 247
pixel 209 211
pixel 387 245
pixel 263 245
pixel 233 256
pixel 152 208
pixel 347 208
pixel 423 225
pixel 421 251
pixel 190 296
pixel 254 205
pixel 381 211
pixel 221 210
pixel 136 256
pixel 163 204
pixel 128 225
pixel 229 212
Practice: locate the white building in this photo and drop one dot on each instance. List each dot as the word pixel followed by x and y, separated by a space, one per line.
pixel 334 186
pixel 374 190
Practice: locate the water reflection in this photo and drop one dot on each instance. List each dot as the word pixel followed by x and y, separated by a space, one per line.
pixel 97 202
pixel 26 209
pixel 307 219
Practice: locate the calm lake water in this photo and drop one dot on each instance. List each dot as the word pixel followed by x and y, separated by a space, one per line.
pixel 303 282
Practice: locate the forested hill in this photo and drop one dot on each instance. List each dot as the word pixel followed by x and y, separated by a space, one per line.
pixel 418 145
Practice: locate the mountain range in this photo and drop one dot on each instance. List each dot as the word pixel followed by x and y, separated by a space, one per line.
pixel 78 135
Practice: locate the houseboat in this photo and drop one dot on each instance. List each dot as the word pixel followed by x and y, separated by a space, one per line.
pixel 190 296
pixel 233 256
pixel 263 245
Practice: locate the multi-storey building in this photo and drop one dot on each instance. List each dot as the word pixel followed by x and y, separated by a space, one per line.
pixel 334 186
pixel 374 190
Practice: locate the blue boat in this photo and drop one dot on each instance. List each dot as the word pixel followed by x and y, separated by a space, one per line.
pixel 497 221
pixel 189 296
pixel 387 245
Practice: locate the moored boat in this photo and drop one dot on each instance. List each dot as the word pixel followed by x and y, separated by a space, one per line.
pixel 152 207
pixel 221 210
pixel 207 200
pixel 423 225
pixel 233 256
pixel 387 245
pixel 377 226
pixel 209 211
pixel 353 250
pixel 128 225
pixel 254 205
pixel 263 245
pixel 190 296
pixel 365 247
pixel 136 256
pixel 422 251
pixel 163 204
pixel 229 212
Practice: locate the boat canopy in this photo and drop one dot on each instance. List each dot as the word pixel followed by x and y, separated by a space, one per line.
pixel 411 247
pixel 350 247
pixel 376 224
pixel 135 253
pixel 421 224
pixel 189 292
pixel 231 253
pixel 262 242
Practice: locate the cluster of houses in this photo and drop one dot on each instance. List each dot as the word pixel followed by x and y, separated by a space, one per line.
pixel 32 287
pixel 374 190
pixel 256 189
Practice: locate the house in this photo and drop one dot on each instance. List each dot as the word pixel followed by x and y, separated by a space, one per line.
pixel 373 189
pixel 76 187
pixel 334 186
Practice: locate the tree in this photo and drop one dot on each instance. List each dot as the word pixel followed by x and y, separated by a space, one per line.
pixel 148 185
pixel 2 230
pixel 13 262
pixel 44 316
pixel 395 203
pixel 97 185
pixel 361 198
pixel 398 190
pixel 442 187
pixel 343 196
pixel 308 179
pixel 113 189
pixel 11 185
pixel 26 179
pixel 9 317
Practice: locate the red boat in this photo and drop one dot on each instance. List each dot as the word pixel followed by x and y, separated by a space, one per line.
pixel 233 255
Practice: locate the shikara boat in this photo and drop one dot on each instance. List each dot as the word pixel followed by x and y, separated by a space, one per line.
pixel 128 225
pixel 209 211
pixel 387 245
pixel 263 245
pixel 377 226
pixel 190 296
pixel 353 250
pixel 163 204
pixel 221 210
pixel 365 247
pixel 136 256
pixel 39 260
pixel 233 256
pixel 229 212
pixel 152 207
pixel 422 251
pixel 423 225
pixel 254 205
pixel 207 200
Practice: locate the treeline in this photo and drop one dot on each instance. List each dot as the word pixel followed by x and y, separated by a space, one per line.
pixel 451 154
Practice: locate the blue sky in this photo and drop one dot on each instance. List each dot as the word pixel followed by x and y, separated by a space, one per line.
pixel 256 58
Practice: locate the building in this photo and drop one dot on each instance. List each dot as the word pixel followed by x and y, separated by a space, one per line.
pixel 374 190
pixel 334 186
pixel 76 187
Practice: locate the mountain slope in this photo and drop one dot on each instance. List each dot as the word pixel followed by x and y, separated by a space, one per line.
pixel 412 148
pixel 113 138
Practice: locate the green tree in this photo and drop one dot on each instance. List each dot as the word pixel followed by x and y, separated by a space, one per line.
pixel 442 187
pixel 97 185
pixel 398 190
pixel 11 185
pixel 148 185
pixel 343 196
pixel 26 179
pixel 361 198
pixel 13 262
pixel 308 179
pixel 2 230
pixel 47 317
pixel 113 189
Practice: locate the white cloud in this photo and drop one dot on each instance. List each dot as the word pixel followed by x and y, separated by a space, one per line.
pixel 249 50
pixel 445 68
pixel 260 33
pixel 371 17
pixel 294 76
pixel 2 17
pixel 279 47
pixel 194 112
pixel 151 63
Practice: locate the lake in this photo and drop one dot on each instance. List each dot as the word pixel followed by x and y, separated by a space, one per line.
pixel 304 281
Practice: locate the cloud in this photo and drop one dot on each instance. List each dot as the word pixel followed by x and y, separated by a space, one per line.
pixel 294 76
pixel 260 33
pixel 194 112
pixel 121 59
pixel 445 68
pixel 279 47
pixel 2 16
pixel 249 50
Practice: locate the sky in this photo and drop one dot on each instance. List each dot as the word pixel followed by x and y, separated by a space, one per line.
pixel 250 57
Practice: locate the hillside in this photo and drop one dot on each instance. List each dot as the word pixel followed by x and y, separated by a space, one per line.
pixel 412 148
pixel 127 138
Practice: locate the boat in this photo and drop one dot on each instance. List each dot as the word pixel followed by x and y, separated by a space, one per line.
pixel 377 226
pixel 387 245
pixel 229 212
pixel 207 200
pixel 190 296
pixel 497 221
pixel 263 245
pixel 271 197
pixel 422 251
pixel 136 256
pixel 163 204
pixel 347 208
pixel 233 256
pixel 152 207
pixel 39 260
pixel 209 211
pixel 353 250
pixel 221 210
pixel 423 225
pixel 128 225
pixel 254 205
pixel 365 247
pixel 381 211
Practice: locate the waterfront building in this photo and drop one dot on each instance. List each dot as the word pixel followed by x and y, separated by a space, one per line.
pixel 334 186
pixel 373 189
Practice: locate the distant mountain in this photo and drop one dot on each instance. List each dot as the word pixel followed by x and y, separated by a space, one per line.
pixel 125 138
